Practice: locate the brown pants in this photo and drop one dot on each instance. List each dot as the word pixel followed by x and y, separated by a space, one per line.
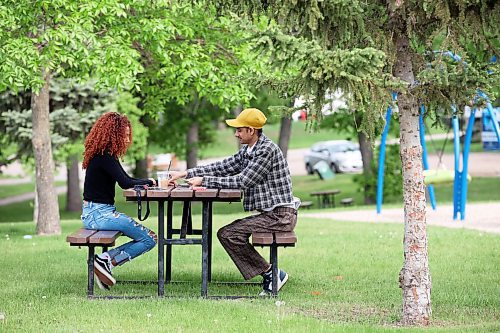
pixel 234 237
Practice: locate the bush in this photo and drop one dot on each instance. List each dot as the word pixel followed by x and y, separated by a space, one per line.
pixel 393 178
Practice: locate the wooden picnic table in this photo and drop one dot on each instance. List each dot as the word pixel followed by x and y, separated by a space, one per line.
pixel 186 195
pixel 326 198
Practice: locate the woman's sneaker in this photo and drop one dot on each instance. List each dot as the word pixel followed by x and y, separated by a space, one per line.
pixel 100 284
pixel 103 271
pixel 267 284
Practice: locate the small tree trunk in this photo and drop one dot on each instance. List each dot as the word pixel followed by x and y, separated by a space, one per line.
pixel 192 146
pixel 48 213
pixel 367 156
pixel 73 195
pixel 285 132
pixel 236 111
pixel 141 168
pixel 141 165
pixel 414 278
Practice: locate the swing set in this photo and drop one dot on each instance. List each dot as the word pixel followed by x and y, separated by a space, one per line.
pixel 459 177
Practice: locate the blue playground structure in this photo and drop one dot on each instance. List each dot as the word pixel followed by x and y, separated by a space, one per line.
pixel 460 176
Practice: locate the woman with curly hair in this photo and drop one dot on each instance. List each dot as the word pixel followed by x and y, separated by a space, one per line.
pixel 107 141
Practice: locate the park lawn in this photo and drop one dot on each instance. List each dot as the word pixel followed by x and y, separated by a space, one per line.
pixel 436 146
pixel 343 278
pixel 16 189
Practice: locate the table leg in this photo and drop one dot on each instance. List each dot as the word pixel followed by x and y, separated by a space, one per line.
pixel 161 249
pixel 210 243
pixel 320 204
pixel 186 219
pixel 274 261
pixel 90 272
pixel 168 273
pixel 333 200
pixel 204 245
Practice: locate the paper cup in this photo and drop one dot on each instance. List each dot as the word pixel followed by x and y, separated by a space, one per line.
pixel 163 177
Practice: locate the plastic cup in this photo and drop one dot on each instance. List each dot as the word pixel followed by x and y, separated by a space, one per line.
pixel 163 178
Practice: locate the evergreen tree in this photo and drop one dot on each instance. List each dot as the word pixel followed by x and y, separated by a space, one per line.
pixel 369 49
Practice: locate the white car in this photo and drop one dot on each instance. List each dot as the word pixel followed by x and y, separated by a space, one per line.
pixel 341 156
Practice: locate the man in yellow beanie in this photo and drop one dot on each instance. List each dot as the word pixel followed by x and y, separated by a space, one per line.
pixel 261 171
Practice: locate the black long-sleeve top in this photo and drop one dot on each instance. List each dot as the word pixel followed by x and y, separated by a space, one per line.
pixel 103 172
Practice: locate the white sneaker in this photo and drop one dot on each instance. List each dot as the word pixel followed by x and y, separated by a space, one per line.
pixel 267 284
pixel 103 271
pixel 100 284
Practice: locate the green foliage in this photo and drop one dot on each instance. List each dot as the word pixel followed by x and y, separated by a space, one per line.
pixel 319 70
pixel 349 45
pixel 75 107
pixel 206 56
pixel 69 38
pixel 169 131
pixel 393 178
pixel 128 105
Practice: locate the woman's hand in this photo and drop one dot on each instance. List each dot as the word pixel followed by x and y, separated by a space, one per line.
pixel 153 180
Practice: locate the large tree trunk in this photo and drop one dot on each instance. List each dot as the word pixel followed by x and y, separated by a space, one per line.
pixel 73 195
pixel 414 278
pixel 35 207
pixel 367 156
pixel 285 132
pixel 192 146
pixel 48 212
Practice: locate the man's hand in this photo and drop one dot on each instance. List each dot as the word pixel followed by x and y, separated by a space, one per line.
pixel 195 181
pixel 174 175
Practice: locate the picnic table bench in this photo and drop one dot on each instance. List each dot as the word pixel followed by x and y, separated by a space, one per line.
pixel 274 240
pixel 91 239
pixel 326 198
pixel 306 204
pixel 346 201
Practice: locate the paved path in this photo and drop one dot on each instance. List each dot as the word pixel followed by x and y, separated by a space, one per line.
pixel 27 196
pixel 478 216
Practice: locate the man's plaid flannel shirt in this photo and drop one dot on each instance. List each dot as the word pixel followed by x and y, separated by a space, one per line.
pixel 263 175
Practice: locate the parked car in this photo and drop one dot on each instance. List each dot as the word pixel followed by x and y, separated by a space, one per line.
pixel 341 156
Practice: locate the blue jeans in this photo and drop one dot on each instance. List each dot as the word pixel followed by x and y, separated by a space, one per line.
pixel 99 216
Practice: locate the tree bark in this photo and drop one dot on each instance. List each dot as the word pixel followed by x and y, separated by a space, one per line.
pixel 48 212
pixel 414 277
pixel 141 168
pixel 236 112
pixel 141 165
pixel 73 195
pixel 367 156
pixel 35 207
pixel 192 145
pixel 285 132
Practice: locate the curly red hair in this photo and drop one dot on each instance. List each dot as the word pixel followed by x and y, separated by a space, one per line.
pixel 108 135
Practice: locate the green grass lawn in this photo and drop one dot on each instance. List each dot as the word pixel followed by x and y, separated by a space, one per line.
pixel 436 147
pixel 343 278
pixel 16 189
